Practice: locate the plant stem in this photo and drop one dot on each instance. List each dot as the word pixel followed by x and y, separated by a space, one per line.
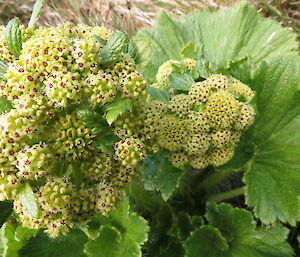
pixel 227 195
pixel 209 183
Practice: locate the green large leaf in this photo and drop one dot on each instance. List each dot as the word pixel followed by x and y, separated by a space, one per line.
pixel 235 33
pixel 93 120
pixel 121 234
pixel 64 246
pixel 232 232
pixel 157 173
pixel 166 41
pixel 227 36
pixel 272 182
pixel 12 239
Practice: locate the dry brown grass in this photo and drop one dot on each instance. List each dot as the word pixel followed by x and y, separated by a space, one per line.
pixel 130 15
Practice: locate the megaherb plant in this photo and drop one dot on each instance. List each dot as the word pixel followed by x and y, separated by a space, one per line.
pixel 125 148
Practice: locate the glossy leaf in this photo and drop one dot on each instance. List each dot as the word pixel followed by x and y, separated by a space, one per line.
pixel 121 234
pixel 12 238
pixel 64 246
pixel 232 232
pixel 93 120
pixel 29 201
pixel 272 182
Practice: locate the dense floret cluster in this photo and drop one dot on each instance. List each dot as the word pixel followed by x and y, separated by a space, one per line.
pixel 200 126
pixel 44 143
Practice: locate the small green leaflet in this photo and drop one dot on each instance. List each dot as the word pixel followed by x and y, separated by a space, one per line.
pixel 116 108
pixel 105 143
pixel 13 36
pixel 181 82
pixel 3 69
pixel 100 40
pixel 232 232
pixel 157 173
pixel 202 67
pixel 37 8
pixel 161 95
pixel 131 50
pixel 190 51
pixel 13 237
pixel 92 234
pixel 93 120
pixel 5 105
pixel 116 44
pixel 29 201
pixel 106 245
pixel 121 233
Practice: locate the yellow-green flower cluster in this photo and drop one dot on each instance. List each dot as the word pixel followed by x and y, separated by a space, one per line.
pixel 44 142
pixel 202 126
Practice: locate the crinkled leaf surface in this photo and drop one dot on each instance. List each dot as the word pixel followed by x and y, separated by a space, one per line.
pixel 227 36
pixel 115 45
pixel 116 108
pixel 232 232
pixel 93 120
pixel 13 36
pixel 205 241
pixel 157 173
pixel 12 238
pixel 64 246
pixel 121 234
pixel 272 182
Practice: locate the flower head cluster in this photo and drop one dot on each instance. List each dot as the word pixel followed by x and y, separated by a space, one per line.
pixel 201 126
pixel 43 140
